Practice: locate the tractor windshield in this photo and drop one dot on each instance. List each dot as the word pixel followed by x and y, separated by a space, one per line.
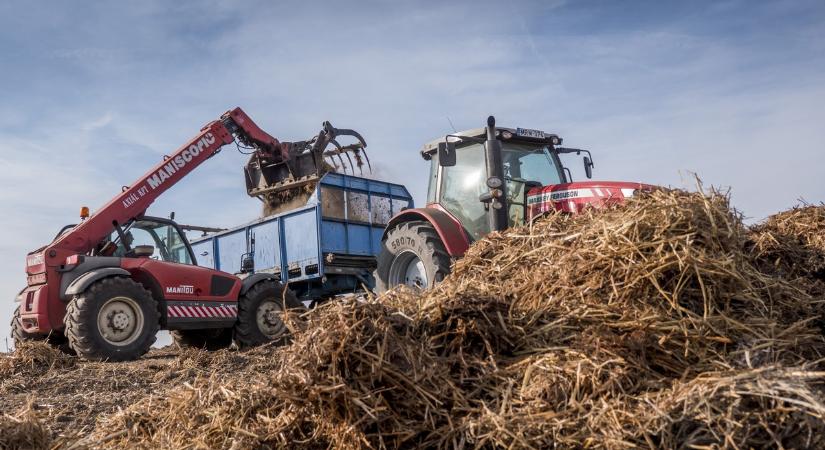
pixel 526 166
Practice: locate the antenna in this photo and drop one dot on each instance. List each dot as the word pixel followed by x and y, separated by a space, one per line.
pixel 451 125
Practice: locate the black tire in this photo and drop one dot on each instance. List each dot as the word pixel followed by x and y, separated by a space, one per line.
pixel 18 334
pixel 416 239
pixel 55 338
pixel 124 306
pixel 265 298
pixel 208 339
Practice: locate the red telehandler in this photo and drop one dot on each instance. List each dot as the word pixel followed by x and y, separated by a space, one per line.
pixel 104 287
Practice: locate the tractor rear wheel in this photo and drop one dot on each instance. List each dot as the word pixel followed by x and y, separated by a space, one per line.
pixel 55 338
pixel 412 255
pixel 209 339
pixel 260 314
pixel 114 319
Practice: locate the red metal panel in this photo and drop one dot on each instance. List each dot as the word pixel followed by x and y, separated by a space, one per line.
pixel 573 197
pixel 35 314
pixel 181 281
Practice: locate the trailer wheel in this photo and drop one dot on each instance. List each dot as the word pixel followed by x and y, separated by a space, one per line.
pixel 411 255
pixel 114 319
pixel 55 338
pixel 209 339
pixel 260 314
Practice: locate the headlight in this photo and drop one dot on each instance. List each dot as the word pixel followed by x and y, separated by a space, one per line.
pixel 494 182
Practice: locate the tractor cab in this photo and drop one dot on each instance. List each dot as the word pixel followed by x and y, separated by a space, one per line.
pixel 486 185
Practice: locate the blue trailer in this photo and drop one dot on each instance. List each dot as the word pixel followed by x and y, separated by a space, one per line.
pixel 327 247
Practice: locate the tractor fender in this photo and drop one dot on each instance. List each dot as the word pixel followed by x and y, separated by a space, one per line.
pixel 82 282
pixel 255 278
pixel 449 230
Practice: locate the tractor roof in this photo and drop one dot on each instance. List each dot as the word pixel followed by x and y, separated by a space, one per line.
pixel 517 135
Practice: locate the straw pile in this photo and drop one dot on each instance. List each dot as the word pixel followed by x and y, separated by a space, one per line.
pixel 654 325
pixel 32 359
pixel 23 431
pixel 791 244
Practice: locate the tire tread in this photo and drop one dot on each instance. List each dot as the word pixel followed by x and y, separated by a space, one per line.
pixel 438 256
pixel 80 318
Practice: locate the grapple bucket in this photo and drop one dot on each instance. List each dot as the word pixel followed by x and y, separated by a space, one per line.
pixel 280 175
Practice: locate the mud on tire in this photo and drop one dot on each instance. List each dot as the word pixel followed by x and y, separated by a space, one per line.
pixel 403 244
pixel 209 339
pixel 260 314
pixel 114 319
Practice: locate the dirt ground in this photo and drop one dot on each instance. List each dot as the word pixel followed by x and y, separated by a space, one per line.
pixel 70 394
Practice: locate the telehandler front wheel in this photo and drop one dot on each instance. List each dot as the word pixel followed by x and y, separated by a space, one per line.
pixel 260 314
pixel 411 255
pixel 114 319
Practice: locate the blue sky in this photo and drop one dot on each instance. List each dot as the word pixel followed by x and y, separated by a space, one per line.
pixel 94 93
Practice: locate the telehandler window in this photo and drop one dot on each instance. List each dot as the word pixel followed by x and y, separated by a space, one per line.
pixel 165 238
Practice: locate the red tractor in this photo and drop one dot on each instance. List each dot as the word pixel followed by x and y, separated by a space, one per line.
pixel 103 288
pixel 483 180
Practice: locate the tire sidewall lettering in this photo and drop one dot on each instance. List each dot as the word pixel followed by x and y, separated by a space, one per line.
pixel 405 243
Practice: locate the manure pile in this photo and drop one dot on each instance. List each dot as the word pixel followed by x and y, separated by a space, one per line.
pixel 665 323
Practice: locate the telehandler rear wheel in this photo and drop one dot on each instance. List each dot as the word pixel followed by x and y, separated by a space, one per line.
pixel 210 339
pixel 260 313
pixel 55 338
pixel 411 255
pixel 114 319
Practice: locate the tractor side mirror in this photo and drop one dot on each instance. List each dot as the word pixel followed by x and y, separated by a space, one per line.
pixel 446 154
pixel 588 167
pixel 247 263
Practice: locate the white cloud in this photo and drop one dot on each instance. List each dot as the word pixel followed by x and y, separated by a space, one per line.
pixel 100 122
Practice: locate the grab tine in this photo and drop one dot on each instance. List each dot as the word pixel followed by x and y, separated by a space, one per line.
pixel 367 158
pixel 352 167
pixel 343 165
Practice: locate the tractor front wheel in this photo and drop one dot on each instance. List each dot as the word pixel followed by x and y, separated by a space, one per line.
pixel 114 319
pixel 411 255
pixel 260 314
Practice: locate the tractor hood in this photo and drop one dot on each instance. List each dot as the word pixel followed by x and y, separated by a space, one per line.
pixel 573 197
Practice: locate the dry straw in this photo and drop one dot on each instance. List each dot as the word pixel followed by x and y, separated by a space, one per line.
pixel 653 325
pixel 23 431
pixel 665 323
